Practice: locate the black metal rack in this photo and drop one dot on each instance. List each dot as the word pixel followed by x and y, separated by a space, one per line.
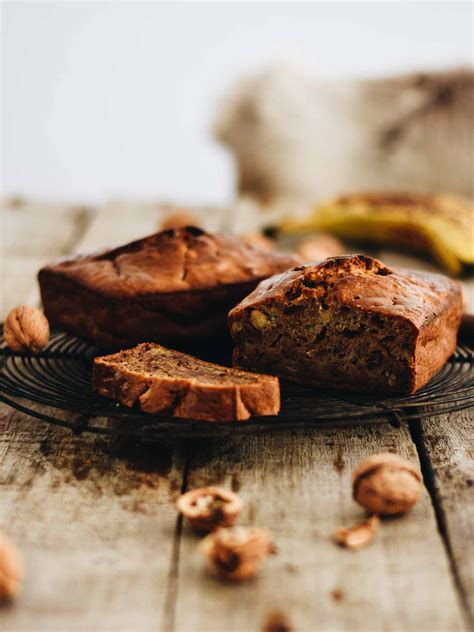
pixel 60 378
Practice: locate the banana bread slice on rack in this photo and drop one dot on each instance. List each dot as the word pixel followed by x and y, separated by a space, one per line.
pixel 172 383
pixel 349 323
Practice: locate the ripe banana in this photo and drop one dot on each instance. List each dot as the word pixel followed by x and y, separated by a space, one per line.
pixel 441 226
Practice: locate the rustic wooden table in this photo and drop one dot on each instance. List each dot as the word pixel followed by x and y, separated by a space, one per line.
pixel 105 550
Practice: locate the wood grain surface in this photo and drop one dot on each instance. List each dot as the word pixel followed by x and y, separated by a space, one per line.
pixel 299 485
pixel 448 447
pixel 104 549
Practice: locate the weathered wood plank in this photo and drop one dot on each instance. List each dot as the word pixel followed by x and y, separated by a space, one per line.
pixel 18 281
pixel 119 222
pixel 94 520
pixel 448 442
pixel 32 235
pixel 42 229
pixel 298 484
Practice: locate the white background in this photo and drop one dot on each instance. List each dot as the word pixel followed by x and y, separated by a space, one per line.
pixel 114 99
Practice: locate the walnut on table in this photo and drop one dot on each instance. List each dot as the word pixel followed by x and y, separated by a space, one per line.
pixel 237 553
pixel 11 569
pixel 26 329
pixel 180 218
pixel 207 508
pixel 386 484
pixel 258 240
pixel 320 247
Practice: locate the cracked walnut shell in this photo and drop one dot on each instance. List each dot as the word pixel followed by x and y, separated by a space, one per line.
pixel 359 535
pixel 11 569
pixel 386 484
pixel 26 329
pixel 237 553
pixel 207 508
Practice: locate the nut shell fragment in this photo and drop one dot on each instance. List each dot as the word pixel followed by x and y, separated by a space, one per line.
pixel 359 535
pixel 237 553
pixel 11 569
pixel 207 508
pixel 386 484
pixel 26 329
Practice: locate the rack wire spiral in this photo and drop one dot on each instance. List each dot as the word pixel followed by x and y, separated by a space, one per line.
pixel 60 378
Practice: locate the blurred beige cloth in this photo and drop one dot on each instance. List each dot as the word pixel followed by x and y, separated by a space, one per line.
pixel 298 139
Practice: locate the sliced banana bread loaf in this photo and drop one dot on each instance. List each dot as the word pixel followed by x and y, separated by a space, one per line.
pixel 349 323
pixel 172 287
pixel 171 383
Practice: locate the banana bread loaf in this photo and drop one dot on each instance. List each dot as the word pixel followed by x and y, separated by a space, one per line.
pixel 171 383
pixel 349 323
pixel 174 286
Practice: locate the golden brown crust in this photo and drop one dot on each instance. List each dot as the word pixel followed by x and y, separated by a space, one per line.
pixel 422 309
pixel 168 382
pixel 365 282
pixel 173 286
pixel 171 261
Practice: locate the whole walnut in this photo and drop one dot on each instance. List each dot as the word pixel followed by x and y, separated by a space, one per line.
pixel 26 329
pixel 319 247
pixel 386 484
pixel 180 218
pixel 237 553
pixel 258 240
pixel 11 569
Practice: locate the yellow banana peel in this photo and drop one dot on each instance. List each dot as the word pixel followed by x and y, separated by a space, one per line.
pixel 441 226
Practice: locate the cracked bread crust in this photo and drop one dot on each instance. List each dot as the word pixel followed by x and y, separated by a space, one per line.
pixel 350 323
pixel 167 382
pixel 174 286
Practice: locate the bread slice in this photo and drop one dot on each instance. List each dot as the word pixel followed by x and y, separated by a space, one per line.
pixel 349 323
pixel 171 383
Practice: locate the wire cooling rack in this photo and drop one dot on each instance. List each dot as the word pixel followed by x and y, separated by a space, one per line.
pixel 55 386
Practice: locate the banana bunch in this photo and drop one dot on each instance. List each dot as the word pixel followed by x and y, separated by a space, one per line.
pixel 440 226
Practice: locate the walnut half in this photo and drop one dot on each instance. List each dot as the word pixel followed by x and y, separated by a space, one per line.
pixel 207 508
pixel 237 553
pixel 26 329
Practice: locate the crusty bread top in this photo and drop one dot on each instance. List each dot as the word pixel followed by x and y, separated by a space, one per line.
pixel 149 360
pixel 363 282
pixel 172 261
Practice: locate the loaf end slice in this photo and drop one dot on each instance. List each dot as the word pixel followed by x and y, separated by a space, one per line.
pixel 168 382
pixel 349 323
